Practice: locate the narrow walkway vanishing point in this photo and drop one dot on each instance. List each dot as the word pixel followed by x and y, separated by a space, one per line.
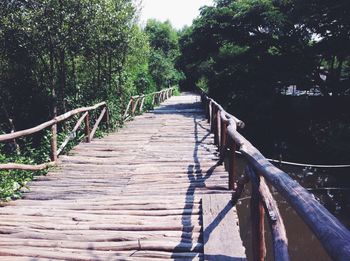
pixel 152 190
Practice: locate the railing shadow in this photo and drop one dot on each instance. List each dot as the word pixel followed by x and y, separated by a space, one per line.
pixel 196 175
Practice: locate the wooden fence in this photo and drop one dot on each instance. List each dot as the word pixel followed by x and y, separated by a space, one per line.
pixel 334 236
pixel 135 104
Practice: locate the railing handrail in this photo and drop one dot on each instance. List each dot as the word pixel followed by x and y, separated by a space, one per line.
pixel 333 235
pixel 152 93
pixel 42 126
pixel 134 101
pixel 89 133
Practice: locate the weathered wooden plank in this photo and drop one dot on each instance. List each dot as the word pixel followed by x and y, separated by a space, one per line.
pixel 133 195
pixel 333 235
pixel 67 115
pixel 220 229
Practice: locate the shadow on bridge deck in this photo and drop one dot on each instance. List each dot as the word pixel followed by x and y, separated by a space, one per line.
pixel 133 195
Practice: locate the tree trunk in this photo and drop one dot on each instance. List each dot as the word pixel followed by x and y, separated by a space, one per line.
pixel 98 65
pixel 62 77
pixel 53 89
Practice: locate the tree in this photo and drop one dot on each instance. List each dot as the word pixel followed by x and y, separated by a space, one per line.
pixel 59 54
pixel 164 45
pixel 258 45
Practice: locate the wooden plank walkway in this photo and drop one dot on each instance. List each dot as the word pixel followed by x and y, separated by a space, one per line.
pixel 133 195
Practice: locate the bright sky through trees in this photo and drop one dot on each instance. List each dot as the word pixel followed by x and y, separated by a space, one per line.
pixel 179 12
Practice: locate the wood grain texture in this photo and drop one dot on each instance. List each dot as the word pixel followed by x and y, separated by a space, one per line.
pixel 333 235
pixel 63 117
pixel 221 237
pixel 133 195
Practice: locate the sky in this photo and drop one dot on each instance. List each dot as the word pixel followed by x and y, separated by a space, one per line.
pixel 179 12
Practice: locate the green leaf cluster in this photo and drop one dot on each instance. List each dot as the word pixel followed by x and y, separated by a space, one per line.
pixel 259 47
pixel 58 55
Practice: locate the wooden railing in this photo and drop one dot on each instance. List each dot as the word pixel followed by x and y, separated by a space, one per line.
pixel 334 236
pixel 136 104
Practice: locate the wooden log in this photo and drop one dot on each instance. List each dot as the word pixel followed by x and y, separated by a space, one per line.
pixel 242 181
pixel 15 166
pixel 223 139
pixel 214 124
pixel 71 135
pixel 257 219
pixel 209 111
pixel 127 109
pixel 212 117
pixel 232 178
pixel 333 235
pixel 87 128
pixel 218 128
pixel 206 107
pixel 134 106
pixel 142 103
pixel 44 125
pixel 54 142
pixel 91 254
pixel 106 118
pixel 169 93
pixel 228 116
pixel 278 231
pixel 220 229
pixel 98 121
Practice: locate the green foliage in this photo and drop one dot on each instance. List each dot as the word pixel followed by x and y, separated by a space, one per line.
pixel 258 46
pixel 176 91
pixel 162 37
pixel 60 55
pixel 164 52
pixel 202 84
pixel 13 180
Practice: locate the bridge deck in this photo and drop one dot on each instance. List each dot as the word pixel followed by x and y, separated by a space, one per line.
pixel 135 194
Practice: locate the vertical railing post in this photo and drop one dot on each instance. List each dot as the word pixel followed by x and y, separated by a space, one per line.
pixel 131 105
pixel 223 137
pixel 54 142
pixel 257 212
pixel 87 128
pixel 212 118
pixel 215 124
pixel 206 107
pixel 106 117
pixel 210 111
pixel 232 165
pixel 142 102
pixel 134 106
pixel 218 128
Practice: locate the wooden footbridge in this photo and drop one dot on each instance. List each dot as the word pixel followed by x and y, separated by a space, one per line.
pixel 156 189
